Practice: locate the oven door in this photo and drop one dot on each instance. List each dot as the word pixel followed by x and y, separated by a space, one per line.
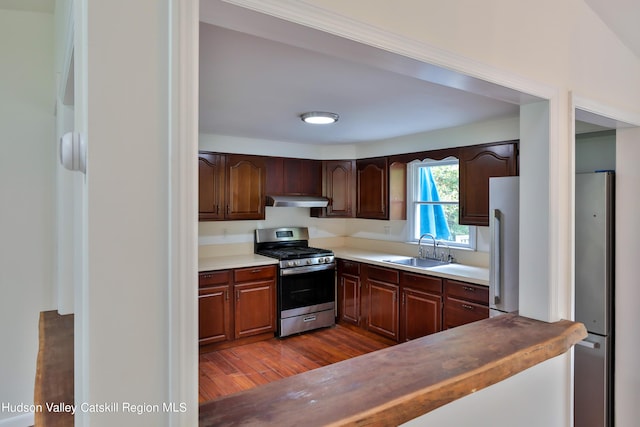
pixel 306 290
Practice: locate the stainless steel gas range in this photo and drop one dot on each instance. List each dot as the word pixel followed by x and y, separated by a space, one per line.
pixel 306 280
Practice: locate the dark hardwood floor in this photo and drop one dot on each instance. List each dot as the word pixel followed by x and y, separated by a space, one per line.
pixel 235 369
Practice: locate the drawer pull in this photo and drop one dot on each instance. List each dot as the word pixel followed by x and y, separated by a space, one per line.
pixel 256 270
pixel 467 307
pixel 469 289
pixel 309 318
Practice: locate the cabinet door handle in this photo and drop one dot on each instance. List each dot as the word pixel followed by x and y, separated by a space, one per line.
pixel 226 294
pixel 217 209
pixel 238 295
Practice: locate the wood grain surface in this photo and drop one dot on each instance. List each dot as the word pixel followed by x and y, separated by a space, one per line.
pixel 394 385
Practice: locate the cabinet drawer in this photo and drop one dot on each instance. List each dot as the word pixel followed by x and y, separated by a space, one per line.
pixel 421 282
pixel 210 278
pixel 251 274
pixel 467 291
pixel 383 274
pixel 349 267
pixel 458 312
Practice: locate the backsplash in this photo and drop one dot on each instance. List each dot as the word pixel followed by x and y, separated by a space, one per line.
pixel 217 238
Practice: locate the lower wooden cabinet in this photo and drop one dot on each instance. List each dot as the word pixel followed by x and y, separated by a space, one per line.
pixel 236 304
pixel 464 303
pixel 402 305
pixel 421 308
pixel 381 304
pixel 349 292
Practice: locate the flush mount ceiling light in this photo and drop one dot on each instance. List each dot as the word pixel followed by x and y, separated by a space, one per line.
pixel 319 117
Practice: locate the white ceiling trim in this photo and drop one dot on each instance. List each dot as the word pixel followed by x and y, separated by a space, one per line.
pixel 595 112
pixel 300 12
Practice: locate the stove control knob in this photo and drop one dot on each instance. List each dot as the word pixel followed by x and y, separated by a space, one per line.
pixel 309 262
pixel 297 262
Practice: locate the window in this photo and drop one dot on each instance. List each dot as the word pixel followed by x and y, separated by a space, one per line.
pixel 432 205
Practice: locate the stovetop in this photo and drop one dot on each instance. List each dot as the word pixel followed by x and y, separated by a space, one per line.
pixel 294 252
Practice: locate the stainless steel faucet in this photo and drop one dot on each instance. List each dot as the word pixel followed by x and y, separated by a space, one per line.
pixel 425 254
pixel 442 258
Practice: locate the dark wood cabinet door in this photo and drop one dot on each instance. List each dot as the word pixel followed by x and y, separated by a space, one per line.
pixel 245 198
pixel 421 314
pixel 459 312
pixel 214 314
pixel 477 164
pixel 349 299
pixel 339 187
pixel 382 308
pixel 464 303
pixel 254 308
pixel 302 176
pixel 210 186
pixel 372 188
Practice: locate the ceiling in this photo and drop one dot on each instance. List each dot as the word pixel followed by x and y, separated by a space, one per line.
pixel 622 17
pixel 258 74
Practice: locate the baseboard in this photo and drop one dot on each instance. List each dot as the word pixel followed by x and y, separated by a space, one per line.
pixel 23 420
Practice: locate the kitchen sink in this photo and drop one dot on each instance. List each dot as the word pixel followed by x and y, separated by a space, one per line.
pixel 417 262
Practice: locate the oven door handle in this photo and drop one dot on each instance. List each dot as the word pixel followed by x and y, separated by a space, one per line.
pixel 306 269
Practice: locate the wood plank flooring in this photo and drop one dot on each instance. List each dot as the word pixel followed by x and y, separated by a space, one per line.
pixel 235 369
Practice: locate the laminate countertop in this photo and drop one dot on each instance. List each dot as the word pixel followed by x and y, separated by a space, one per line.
pixel 465 273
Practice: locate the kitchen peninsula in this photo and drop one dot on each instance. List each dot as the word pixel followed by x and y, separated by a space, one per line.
pixel 410 379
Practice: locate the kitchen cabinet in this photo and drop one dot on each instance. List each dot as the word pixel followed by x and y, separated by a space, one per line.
pixel 211 182
pixel 235 305
pixel 421 305
pixel 291 176
pixel 349 292
pixel 372 187
pixel 245 184
pixel 338 185
pixel 402 305
pixel 464 303
pixel 382 306
pixel 214 307
pixel 231 186
pixel 380 189
pixel 255 301
pixel 476 165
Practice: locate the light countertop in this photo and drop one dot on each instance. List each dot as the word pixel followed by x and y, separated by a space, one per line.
pixel 466 273
pixel 234 261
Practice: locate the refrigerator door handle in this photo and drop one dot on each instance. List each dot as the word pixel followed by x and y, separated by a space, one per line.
pixel 588 344
pixel 496 254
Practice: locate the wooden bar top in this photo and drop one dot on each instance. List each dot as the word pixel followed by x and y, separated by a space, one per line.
pixel 400 383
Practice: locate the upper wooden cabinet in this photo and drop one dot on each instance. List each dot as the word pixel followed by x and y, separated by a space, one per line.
pixel 478 163
pixel 231 186
pixel 372 188
pixel 380 189
pixel 338 185
pixel 211 186
pixel 289 176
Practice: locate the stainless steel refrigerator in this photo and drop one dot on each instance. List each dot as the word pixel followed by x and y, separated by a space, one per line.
pixel 504 223
pixel 594 276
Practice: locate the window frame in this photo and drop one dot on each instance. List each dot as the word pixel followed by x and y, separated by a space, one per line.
pixel 412 189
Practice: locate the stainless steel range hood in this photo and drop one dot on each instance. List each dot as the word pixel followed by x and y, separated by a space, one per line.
pixel 297 201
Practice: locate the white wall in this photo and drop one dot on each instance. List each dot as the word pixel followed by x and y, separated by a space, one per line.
pixel 627 291
pixel 26 192
pixel 595 151
pixel 122 306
